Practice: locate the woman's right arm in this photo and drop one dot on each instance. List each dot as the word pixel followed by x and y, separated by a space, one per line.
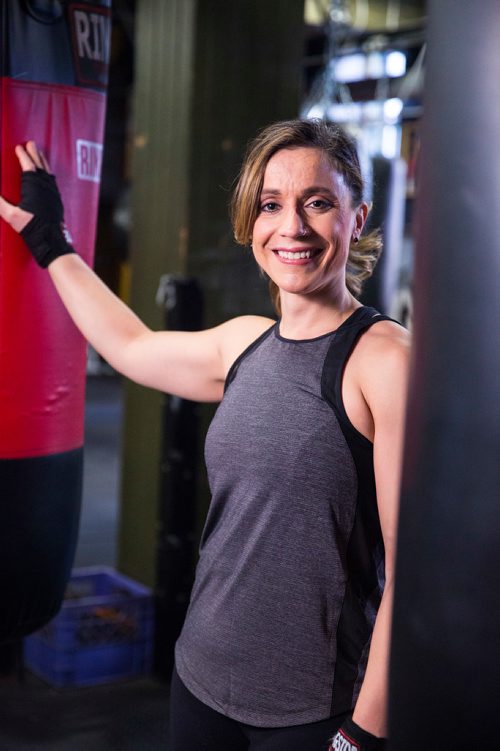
pixel 192 365
pixel 188 364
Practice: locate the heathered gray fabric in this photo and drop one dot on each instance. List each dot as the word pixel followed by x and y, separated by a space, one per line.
pixel 259 640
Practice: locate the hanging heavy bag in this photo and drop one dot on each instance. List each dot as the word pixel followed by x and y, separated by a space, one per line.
pixel 53 82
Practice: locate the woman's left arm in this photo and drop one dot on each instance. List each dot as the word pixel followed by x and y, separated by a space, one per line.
pixel 383 376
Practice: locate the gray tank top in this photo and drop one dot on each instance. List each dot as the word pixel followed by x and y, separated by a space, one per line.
pixel 291 566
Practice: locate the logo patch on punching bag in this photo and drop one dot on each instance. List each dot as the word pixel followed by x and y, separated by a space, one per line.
pixel 88 160
pixel 91 31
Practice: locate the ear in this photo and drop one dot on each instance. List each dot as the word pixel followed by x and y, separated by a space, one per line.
pixel 361 216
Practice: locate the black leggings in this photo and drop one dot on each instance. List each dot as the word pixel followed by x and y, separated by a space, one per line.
pixel 196 727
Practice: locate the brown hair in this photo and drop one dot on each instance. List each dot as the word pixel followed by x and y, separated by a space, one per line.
pixel 341 150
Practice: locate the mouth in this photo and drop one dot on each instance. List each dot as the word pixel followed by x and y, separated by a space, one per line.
pixel 296 255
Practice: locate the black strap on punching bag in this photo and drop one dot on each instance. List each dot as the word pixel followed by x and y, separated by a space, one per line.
pixel 445 676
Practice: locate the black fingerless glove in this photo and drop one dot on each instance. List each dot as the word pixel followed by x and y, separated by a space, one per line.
pixel 350 737
pixel 45 234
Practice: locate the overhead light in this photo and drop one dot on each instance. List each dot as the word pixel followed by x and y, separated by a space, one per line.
pixel 392 110
pixel 374 65
pixel 390 141
pixel 395 64
pixel 349 68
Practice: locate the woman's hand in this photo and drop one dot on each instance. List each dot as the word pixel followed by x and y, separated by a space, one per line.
pixel 30 157
pixel 39 217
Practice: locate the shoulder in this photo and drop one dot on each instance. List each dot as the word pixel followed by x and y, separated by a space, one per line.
pixel 385 339
pixel 237 334
pixel 381 361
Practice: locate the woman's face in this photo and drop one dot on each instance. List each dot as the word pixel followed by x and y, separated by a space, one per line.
pixel 305 223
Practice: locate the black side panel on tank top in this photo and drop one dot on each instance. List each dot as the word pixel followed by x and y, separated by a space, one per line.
pixel 363 590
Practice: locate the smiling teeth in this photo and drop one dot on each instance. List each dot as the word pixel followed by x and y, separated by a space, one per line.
pixel 294 256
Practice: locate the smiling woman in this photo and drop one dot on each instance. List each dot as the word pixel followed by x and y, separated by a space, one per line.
pixel 285 643
pixel 305 224
pixel 338 153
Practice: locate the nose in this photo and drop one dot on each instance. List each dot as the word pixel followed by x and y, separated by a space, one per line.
pixel 293 223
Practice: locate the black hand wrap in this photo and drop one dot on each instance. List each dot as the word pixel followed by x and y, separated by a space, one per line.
pixel 350 737
pixel 45 234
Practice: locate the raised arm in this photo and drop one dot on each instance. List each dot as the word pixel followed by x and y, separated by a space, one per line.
pixel 192 365
pixel 188 364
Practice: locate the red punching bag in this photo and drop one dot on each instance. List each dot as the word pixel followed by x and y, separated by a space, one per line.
pixel 53 78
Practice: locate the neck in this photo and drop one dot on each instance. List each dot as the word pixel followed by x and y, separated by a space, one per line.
pixel 306 316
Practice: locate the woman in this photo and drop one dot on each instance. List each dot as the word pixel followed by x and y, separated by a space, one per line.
pixel 286 640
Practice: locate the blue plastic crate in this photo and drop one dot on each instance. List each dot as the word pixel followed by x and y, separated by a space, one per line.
pixel 103 632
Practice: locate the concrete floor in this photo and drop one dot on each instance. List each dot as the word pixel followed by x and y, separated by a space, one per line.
pixel 123 716
pixel 126 716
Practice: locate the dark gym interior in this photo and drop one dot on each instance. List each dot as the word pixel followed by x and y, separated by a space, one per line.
pixel 189 82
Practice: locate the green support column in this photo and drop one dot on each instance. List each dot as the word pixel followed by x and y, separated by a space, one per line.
pixel 209 73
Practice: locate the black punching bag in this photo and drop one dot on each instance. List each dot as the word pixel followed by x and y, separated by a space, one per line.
pixel 53 64
pixel 445 663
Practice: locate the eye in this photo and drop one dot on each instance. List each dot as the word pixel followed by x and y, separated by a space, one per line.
pixel 269 207
pixel 320 204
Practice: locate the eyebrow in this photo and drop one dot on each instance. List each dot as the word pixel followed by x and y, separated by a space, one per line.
pixel 308 192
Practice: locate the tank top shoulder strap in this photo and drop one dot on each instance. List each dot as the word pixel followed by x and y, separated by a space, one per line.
pixel 234 367
pixel 343 343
